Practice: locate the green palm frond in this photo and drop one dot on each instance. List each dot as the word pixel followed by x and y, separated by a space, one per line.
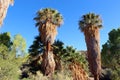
pixel 49 14
pixel 90 19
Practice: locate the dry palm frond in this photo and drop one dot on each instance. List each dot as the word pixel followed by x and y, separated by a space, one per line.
pixel 48 33
pixel 78 72
pixel 4 4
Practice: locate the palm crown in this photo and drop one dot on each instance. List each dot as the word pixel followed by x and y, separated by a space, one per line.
pixel 48 14
pixel 90 19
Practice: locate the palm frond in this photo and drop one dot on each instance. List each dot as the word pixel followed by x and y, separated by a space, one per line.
pixel 90 19
pixel 49 14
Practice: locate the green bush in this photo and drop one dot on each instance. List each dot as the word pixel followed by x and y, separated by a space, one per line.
pixel 111 54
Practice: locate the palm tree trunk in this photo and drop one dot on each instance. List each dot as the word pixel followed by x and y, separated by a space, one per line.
pixel 93 51
pixel 4 4
pixel 48 63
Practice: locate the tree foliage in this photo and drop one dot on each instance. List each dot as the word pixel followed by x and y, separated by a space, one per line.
pixel 9 68
pixel 48 14
pixel 9 63
pixel 5 44
pixel 5 39
pixel 3 51
pixel 37 47
pixel 19 44
pixel 111 53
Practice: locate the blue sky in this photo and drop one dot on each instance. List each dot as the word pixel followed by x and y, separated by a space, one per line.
pixel 19 19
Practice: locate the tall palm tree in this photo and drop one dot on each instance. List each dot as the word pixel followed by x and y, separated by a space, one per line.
pixel 47 21
pixel 4 4
pixel 90 25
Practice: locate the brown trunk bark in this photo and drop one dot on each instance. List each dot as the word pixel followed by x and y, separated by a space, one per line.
pixel 48 63
pixel 93 51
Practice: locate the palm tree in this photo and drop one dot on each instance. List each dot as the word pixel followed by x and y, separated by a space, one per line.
pixel 47 21
pixel 4 4
pixel 90 25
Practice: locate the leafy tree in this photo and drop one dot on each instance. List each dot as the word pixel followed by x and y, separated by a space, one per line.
pixel 90 25
pixel 19 44
pixel 5 44
pixel 9 68
pixel 3 51
pixel 5 39
pixel 9 65
pixel 111 53
pixel 47 21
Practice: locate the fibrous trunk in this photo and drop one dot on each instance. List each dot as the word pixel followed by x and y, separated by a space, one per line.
pixel 93 51
pixel 48 32
pixel 4 4
pixel 48 63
